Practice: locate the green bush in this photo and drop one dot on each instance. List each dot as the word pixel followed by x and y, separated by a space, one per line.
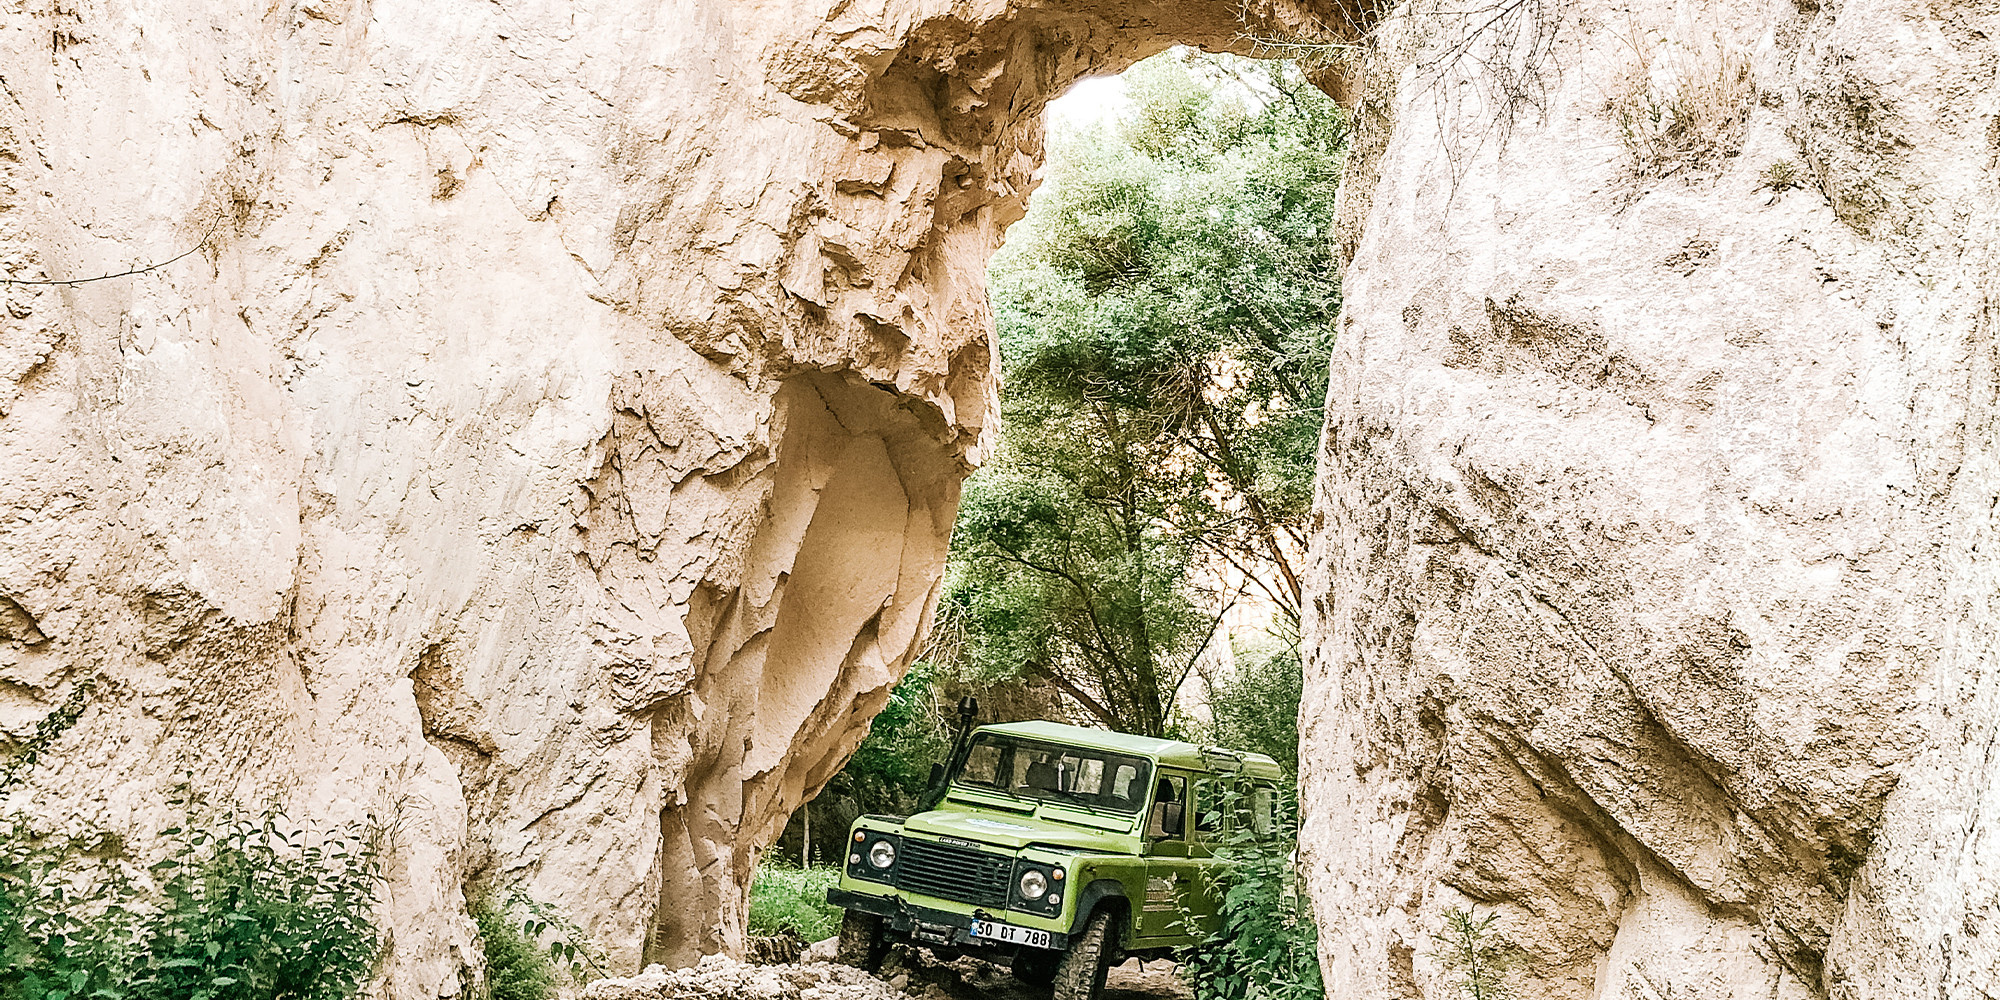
pixel 787 898
pixel 530 945
pixel 239 906
pixel 1267 946
pixel 516 967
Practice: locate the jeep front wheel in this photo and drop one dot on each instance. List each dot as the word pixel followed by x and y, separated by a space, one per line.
pixel 861 942
pixel 1081 974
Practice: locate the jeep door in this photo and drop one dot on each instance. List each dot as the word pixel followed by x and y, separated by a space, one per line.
pixel 1174 862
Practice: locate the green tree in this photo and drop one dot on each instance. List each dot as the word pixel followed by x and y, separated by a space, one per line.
pixel 1474 952
pixel 1257 706
pixel 1165 315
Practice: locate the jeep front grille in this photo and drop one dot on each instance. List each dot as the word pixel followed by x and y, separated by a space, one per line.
pixel 956 873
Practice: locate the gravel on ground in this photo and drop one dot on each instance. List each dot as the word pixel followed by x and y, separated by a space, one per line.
pixel 908 973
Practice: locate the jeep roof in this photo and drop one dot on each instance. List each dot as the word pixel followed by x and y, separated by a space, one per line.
pixel 1172 753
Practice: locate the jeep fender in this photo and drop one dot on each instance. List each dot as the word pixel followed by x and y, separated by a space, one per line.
pixel 1103 892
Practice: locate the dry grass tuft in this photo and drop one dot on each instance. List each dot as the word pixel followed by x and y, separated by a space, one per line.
pixel 1681 106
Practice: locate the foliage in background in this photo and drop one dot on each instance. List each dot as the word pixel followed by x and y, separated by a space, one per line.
pixel 1256 707
pixel 889 770
pixel 1470 950
pixel 516 966
pixel 784 898
pixel 1268 946
pixel 1165 314
pixel 240 906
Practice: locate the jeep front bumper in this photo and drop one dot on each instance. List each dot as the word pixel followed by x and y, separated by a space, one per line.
pixel 926 925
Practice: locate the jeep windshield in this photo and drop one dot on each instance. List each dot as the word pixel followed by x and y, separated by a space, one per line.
pixel 1093 779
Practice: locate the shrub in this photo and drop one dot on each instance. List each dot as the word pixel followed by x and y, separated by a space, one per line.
pixel 1267 945
pixel 529 945
pixel 240 906
pixel 516 967
pixel 786 898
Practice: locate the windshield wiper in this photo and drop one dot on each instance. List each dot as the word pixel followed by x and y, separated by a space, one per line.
pixel 1076 797
pixel 979 786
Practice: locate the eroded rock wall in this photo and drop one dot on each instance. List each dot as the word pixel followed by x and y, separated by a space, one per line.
pixel 550 447
pixel 1655 576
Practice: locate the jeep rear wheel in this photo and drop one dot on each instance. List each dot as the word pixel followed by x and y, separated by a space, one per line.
pixel 861 943
pixel 1081 974
pixel 1036 966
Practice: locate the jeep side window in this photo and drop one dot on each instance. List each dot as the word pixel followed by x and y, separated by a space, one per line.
pixel 1207 805
pixel 1262 803
pixel 1169 803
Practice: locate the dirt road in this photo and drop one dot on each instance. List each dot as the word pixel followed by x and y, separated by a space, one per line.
pixel 966 979
pixel 907 975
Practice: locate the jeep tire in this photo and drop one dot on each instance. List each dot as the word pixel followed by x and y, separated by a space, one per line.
pixel 861 943
pixel 1035 966
pixel 1080 975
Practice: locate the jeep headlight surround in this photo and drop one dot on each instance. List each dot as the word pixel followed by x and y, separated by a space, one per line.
pixel 873 855
pixel 1037 887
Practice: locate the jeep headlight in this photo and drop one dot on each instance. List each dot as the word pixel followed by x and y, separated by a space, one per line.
pixel 1034 884
pixel 881 854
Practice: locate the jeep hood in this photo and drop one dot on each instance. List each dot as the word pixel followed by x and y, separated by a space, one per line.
pixel 1012 832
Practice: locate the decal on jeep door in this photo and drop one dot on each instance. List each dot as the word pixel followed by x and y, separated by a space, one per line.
pixel 1160 894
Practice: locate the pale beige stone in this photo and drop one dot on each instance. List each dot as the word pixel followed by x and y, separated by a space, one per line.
pixel 1656 577
pixel 552 446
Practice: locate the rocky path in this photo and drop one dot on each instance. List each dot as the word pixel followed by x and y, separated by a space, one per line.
pixel 906 975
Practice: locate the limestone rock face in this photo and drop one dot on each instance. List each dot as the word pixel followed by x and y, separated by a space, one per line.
pixel 551 444
pixel 1656 573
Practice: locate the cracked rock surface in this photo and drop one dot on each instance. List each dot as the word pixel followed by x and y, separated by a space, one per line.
pixel 550 444
pixel 1656 577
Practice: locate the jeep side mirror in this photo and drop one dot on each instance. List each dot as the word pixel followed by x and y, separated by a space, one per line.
pixel 1165 821
pixel 937 776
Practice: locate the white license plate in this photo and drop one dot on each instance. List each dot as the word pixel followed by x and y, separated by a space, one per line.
pixel 993 930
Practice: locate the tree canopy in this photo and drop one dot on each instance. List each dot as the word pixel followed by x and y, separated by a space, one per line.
pixel 1165 314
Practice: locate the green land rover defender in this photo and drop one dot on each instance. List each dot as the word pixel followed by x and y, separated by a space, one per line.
pixel 1058 849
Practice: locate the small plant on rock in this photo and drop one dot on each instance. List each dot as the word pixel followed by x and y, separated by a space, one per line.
pixel 516 966
pixel 1783 175
pixel 1683 103
pixel 1471 950
pixel 530 945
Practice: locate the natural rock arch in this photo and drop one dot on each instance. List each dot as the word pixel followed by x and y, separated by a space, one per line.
pixel 553 448
pixel 497 463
